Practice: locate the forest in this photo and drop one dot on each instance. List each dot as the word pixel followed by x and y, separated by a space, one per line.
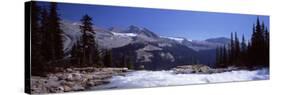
pixel 251 54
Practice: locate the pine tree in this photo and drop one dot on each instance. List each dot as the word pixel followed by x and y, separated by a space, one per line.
pixel 237 50
pixel 46 38
pixel 55 33
pixel 124 61
pixel 37 58
pixel 130 64
pixel 217 57
pixel 243 45
pixel 243 53
pixel 220 57
pixel 224 56
pixel 75 54
pixel 91 54
pixel 267 42
pixel 107 60
pixel 259 51
pixel 232 50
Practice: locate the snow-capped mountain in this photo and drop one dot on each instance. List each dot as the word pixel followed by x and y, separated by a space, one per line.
pixel 178 39
pixel 144 46
pixel 198 45
pixel 140 31
pixel 124 34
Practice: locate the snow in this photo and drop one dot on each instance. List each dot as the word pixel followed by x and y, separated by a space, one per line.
pixel 180 40
pixel 124 34
pixel 167 78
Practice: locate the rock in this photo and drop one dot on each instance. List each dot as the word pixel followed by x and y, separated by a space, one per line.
pixel 90 83
pixel 69 70
pixel 66 88
pixel 100 82
pixel 77 88
pixel 62 77
pixel 74 79
pixel 53 77
pixel 56 89
pixel 203 69
pixel 188 69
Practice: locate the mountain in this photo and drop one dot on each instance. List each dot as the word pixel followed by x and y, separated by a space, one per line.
pixel 146 48
pixel 141 31
pixel 197 45
pixel 220 40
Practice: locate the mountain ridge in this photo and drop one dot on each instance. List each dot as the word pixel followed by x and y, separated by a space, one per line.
pixel 146 47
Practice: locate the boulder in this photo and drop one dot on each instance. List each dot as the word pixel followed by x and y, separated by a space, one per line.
pixel 189 69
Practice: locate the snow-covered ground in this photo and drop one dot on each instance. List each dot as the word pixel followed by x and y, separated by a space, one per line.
pixel 166 78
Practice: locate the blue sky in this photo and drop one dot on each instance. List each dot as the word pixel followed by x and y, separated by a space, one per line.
pixel 175 23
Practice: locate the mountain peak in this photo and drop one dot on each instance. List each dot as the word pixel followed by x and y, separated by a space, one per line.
pixel 141 31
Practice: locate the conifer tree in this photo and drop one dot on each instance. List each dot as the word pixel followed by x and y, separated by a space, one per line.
pixel 56 46
pixel 107 60
pixel 130 64
pixel 224 56
pixel 46 38
pixel 217 57
pixel 237 50
pixel 232 50
pixel 36 55
pixel 91 54
pixel 243 45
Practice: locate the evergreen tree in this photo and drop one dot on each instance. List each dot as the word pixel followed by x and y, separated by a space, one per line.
pixel 221 54
pixel 243 45
pixel 124 61
pixel 258 47
pixel 232 50
pixel 224 56
pixel 267 42
pixel 91 54
pixel 244 52
pixel 36 55
pixel 107 60
pixel 46 38
pixel 237 50
pixel 217 57
pixel 56 43
pixel 75 54
pixel 129 62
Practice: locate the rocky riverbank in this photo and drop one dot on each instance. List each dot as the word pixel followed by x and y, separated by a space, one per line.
pixel 74 79
pixel 201 69
pixel 80 79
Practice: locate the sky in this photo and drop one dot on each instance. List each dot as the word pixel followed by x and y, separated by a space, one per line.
pixel 173 23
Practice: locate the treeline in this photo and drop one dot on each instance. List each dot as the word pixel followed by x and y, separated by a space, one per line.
pixel 46 39
pixel 47 53
pixel 253 54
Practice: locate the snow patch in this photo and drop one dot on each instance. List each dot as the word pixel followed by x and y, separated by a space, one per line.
pixel 180 40
pixel 167 78
pixel 124 34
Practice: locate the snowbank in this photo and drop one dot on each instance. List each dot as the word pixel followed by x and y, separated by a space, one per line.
pixel 166 78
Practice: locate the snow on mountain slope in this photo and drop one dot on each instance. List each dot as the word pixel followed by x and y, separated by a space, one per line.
pixel 124 34
pixel 71 34
pixel 139 79
pixel 116 37
pixel 180 40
